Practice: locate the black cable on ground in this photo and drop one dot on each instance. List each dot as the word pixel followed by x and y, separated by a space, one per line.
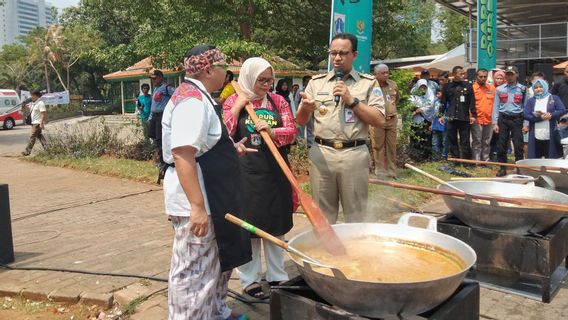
pixel 232 293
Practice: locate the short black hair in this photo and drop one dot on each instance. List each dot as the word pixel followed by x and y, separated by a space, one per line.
pixel 230 74
pixel 537 74
pixel 36 93
pixel 456 68
pixel 482 70
pixel 347 36
pixel 444 74
pixel 145 85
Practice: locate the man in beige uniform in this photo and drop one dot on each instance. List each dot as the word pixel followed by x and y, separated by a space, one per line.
pixel 383 140
pixel 339 158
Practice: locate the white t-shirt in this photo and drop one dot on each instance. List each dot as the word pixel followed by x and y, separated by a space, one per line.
pixel 36 108
pixel 192 122
pixel 542 128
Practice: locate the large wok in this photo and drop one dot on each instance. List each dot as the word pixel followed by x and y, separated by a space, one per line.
pixel 500 216
pixel 559 178
pixel 381 299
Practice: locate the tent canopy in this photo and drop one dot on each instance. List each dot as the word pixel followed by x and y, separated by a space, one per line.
pixel 445 62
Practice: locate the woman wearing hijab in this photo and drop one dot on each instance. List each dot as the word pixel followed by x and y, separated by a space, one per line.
pixel 423 99
pixel 542 112
pixel 498 77
pixel 268 194
pixel 282 89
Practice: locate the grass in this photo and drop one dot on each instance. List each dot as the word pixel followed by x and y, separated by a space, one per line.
pixel 382 209
pixel 143 171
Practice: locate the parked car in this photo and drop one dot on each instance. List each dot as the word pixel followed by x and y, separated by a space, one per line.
pixel 10 109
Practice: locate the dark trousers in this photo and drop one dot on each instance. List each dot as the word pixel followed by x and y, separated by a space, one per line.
pixel 462 149
pixel 510 127
pixel 155 132
pixel 36 134
pixel 541 148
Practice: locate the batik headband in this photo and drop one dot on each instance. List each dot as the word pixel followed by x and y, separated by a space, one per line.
pixel 199 61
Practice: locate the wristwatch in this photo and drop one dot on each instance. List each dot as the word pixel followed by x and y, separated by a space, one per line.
pixel 354 104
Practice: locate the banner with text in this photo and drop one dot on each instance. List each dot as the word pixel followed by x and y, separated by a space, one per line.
pixel 486 34
pixel 356 17
pixel 54 98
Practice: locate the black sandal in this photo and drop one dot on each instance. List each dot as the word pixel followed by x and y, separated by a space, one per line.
pixel 255 290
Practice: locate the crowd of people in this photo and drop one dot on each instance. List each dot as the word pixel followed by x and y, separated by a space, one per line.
pixel 479 119
pixel 215 160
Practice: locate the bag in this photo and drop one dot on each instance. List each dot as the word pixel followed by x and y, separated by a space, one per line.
pixel 28 120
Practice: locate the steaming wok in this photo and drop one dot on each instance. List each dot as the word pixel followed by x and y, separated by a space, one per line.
pixel 559 178
pixel 384 298
pixel 504 217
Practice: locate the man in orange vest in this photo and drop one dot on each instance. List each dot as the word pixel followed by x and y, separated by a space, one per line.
pixel 482 130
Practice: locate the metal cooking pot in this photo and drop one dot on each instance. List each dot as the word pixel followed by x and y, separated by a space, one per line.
pixel 559 178
pixel 494 216
pixel 381 299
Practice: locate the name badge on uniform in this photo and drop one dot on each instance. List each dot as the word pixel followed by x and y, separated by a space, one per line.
pixel 462 98
pixel 349 115
pixel 255 139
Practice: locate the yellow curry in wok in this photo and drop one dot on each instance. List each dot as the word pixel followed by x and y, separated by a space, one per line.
pixel 378 259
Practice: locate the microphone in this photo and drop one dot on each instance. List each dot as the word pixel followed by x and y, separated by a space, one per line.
pixel 338 77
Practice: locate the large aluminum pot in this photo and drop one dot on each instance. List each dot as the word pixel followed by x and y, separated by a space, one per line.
pixel 559 178
pixel 500 216
pixel 381 299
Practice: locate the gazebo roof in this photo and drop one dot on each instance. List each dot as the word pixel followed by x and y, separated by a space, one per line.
pixel 140 69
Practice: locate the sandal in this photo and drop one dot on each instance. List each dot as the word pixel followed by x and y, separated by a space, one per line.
pixel 276 283
pixel 255 290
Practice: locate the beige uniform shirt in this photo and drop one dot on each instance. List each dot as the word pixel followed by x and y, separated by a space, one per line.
pixel 390 92
pixel 338 122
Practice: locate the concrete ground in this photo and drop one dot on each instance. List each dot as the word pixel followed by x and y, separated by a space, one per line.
pixel 67 219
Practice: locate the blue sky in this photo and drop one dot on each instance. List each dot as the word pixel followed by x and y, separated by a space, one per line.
pixel 60 4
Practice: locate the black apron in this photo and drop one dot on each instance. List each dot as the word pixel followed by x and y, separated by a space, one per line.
pixel 268 193
pixel 223 184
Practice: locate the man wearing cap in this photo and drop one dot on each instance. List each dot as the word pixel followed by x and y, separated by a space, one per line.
pixel 160 97
pixel 383 140
pixel 343 104
pixel 201 184
pixel 508 116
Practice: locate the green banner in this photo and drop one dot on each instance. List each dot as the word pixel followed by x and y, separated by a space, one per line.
pixel 356 17
pixel 486 34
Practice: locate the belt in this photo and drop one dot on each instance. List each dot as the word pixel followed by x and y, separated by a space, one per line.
pixel 511 116
pixel 340 144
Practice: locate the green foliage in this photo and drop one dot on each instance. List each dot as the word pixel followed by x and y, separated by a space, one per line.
pixel 97 139
pixel 299 157
pixel 454 28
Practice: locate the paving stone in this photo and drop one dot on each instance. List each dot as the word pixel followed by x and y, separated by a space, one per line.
pixel 136 290
pixel 104 300
pixel 153 313
pixel 64 295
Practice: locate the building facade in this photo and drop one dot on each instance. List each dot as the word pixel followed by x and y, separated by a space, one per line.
pixel 19 17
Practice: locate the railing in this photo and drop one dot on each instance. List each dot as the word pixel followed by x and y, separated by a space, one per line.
pixel 525 42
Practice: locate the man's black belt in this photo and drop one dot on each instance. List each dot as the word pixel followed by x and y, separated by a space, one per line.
pixel 337 144
pixel 162 170
pixel 511 115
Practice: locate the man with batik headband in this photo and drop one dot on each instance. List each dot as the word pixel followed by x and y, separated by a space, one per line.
pixel 201 184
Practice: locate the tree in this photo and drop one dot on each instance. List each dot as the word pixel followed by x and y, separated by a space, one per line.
pixel 454 27
pixel 15 62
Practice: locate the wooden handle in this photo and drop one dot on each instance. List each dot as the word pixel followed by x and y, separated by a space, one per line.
pixel 426 174
pixel 254 230
pixel 521 202
pixel 323 229
pixel 510 165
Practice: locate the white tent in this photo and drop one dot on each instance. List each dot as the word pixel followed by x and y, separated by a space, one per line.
pixel 452 58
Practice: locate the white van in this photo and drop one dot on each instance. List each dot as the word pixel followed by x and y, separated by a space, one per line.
pixel 10 109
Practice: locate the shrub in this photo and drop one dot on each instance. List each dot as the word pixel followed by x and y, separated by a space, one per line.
pixel 96 138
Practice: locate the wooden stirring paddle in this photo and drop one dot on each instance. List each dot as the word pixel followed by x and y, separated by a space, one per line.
pixel 323 229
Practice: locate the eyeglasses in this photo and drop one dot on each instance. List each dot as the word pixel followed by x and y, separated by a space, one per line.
pixel 342 54
pixel 265 81
pixel 221 65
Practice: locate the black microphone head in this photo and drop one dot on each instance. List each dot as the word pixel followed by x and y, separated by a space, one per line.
pixel 338 74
